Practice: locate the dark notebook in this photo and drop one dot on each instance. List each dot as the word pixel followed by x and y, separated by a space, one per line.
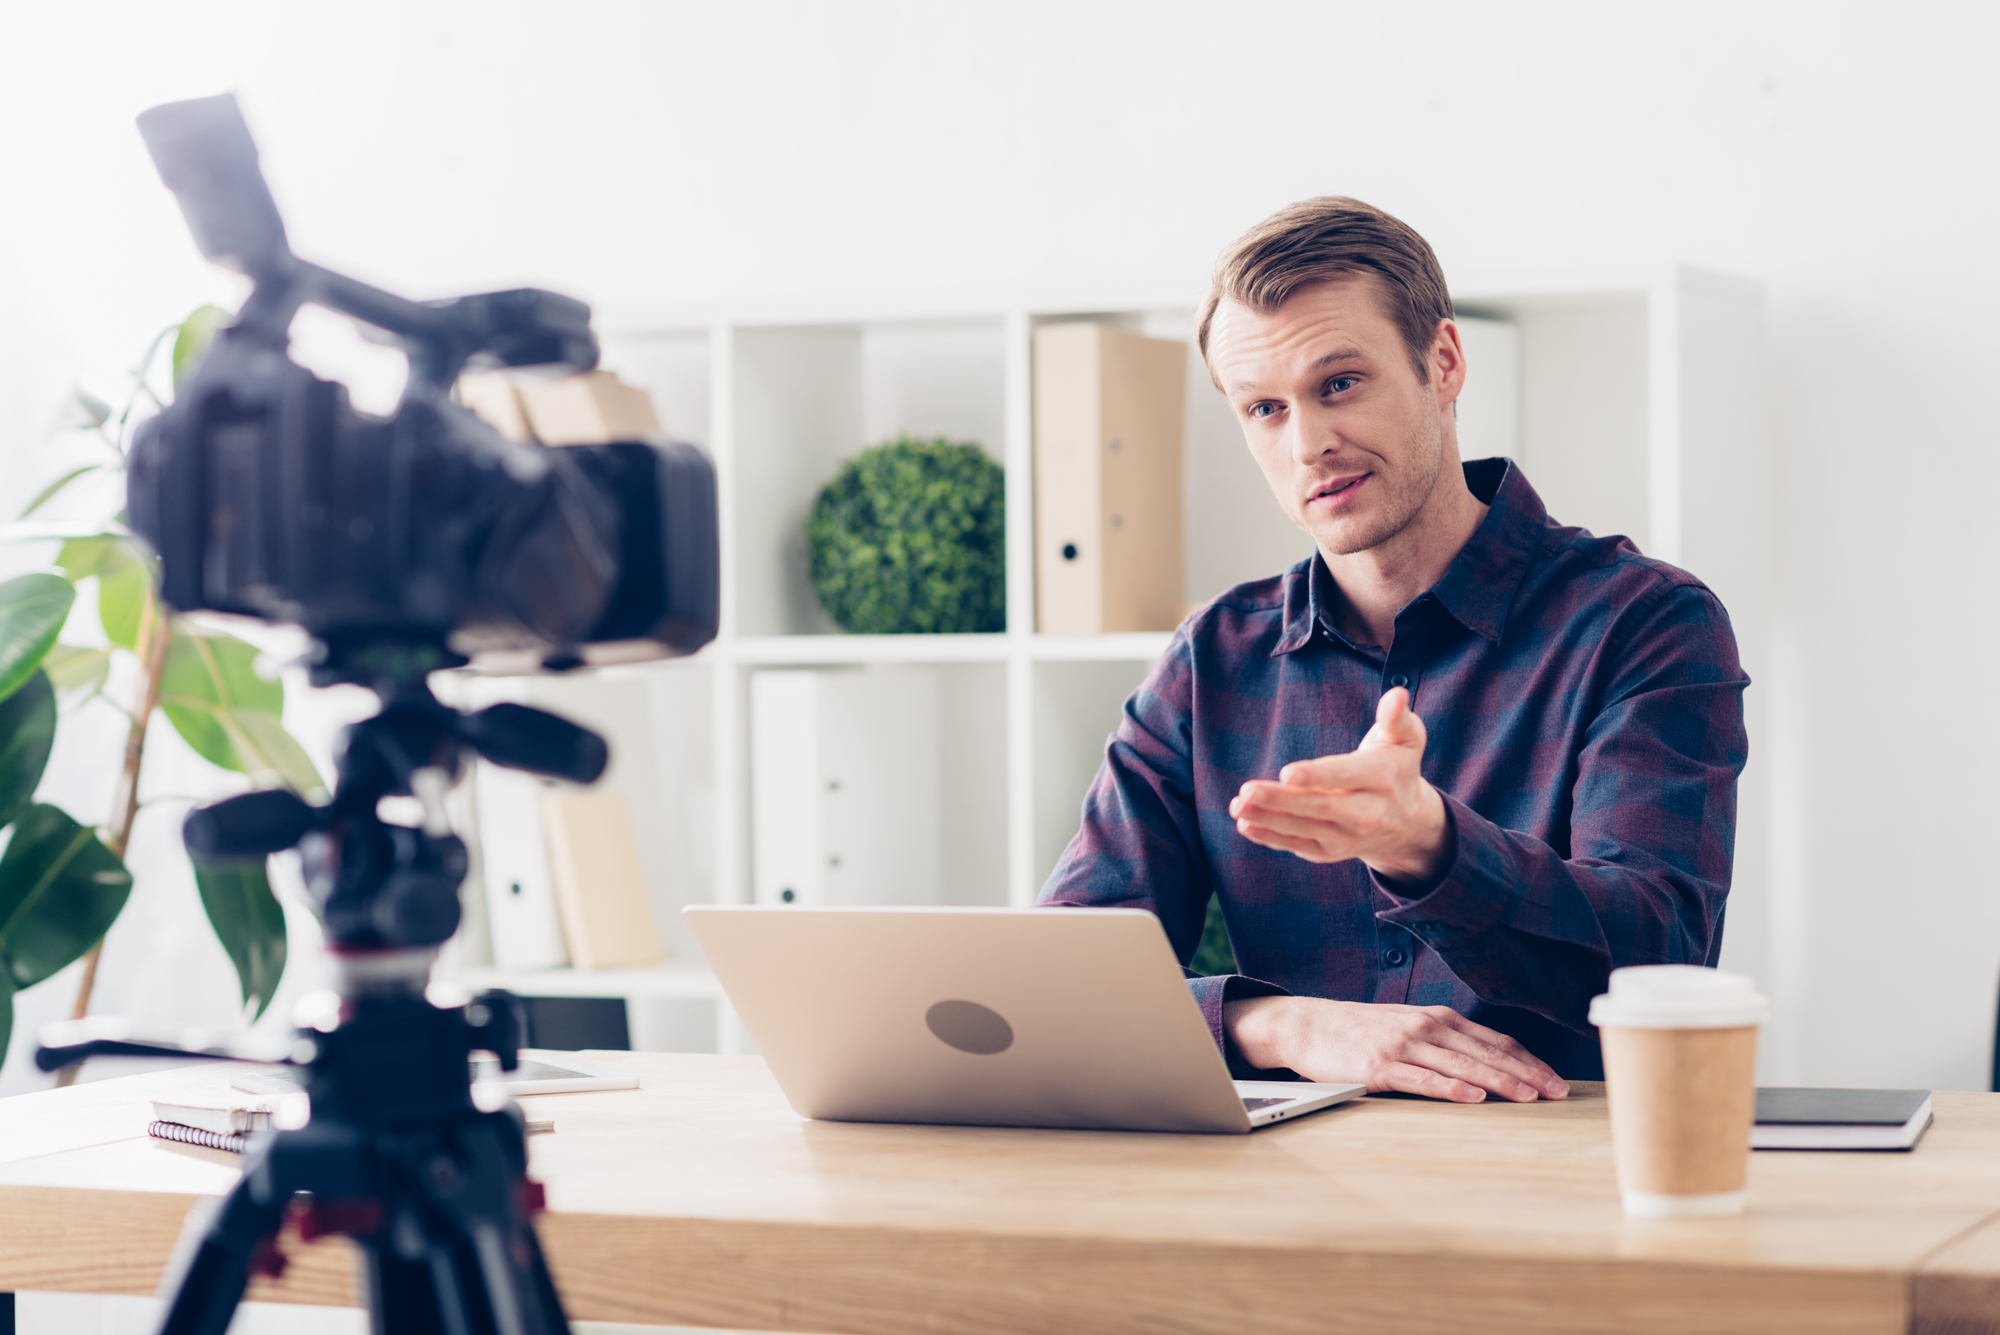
pixel 1840 1119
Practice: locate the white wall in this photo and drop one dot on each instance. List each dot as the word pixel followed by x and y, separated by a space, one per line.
pixel 652 153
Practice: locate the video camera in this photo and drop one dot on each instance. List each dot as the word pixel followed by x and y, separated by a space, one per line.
pixel 266 494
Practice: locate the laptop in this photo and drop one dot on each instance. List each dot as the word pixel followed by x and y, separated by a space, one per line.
pixel 1058 1017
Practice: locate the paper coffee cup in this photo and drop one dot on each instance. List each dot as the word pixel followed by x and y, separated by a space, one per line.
pixel 1680 1059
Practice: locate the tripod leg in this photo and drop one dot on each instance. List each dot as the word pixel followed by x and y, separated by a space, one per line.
pixel 404 1297
pixel 457 1290
pixel 212 1267
pixel 540 1291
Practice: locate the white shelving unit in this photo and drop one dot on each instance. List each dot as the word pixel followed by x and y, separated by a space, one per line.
pixel 1640 412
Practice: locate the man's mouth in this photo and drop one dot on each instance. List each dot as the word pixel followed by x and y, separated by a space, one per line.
pixel 1337 492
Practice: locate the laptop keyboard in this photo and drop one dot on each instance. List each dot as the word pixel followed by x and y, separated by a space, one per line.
pixel 1252 1105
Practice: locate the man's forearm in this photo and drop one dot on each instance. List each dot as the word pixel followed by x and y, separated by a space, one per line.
pixel 1257 1026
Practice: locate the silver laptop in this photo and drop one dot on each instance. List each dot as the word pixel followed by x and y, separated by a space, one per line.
pixel 984 1017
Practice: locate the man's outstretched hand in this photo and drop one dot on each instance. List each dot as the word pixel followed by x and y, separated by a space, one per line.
pixel 1371 803
pixel 1430 1050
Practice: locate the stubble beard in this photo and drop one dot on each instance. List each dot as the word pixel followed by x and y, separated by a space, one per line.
pixel 1402 498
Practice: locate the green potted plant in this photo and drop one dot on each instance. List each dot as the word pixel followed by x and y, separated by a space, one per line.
pixel 910 538
pixel 62 884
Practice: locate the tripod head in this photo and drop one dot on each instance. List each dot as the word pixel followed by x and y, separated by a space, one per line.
pixel 379 886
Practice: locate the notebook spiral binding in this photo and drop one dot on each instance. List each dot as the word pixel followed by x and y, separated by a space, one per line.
pixel 194 1135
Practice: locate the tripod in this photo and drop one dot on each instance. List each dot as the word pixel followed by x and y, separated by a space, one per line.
pixel 397 1154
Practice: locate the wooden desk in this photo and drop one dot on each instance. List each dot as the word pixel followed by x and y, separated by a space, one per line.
pixel 702 1200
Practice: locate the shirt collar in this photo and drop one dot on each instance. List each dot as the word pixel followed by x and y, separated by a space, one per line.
pixel 1479 584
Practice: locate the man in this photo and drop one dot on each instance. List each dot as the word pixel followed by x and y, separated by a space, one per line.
pixel 1424 904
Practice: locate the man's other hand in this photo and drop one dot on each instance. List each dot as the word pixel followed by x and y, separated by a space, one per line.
pixel 1430 1050
pixel 1372 803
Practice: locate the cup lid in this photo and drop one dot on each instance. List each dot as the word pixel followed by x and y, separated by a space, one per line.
pixel 1679 996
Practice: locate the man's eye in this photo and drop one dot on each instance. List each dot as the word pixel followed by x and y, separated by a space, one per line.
pixel 1262 409
pixel 1340 384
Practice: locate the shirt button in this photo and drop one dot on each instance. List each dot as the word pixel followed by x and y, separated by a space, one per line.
pixel 1394 957
pixel 1399 680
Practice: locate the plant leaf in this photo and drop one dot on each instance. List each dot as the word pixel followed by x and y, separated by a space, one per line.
pixel 207 679
pixel 123 582
pixel 192 342
pixel 121 600
pixel 60 891
pixel 6 1013
pixel 200 726
pixel 32 609
pixel 80 557
pixel 249 922
pixel 54 488
pixel 220 669
pixel 27 732
pixel 90 409
pixel 71 668
pixel 261 739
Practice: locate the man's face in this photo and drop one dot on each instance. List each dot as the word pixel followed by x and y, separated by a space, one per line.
pixel 1351 441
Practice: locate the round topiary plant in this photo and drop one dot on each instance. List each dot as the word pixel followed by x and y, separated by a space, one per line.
pixel 909 538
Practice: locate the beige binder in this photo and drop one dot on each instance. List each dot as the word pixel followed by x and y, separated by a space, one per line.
pixel 600 893
pixel 490 395
pixel 1108 427
pixel 588 409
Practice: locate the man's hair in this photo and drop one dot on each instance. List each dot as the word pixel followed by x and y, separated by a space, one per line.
pixel 1334 237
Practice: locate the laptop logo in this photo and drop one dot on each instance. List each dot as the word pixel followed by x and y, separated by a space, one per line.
pixel 970 1027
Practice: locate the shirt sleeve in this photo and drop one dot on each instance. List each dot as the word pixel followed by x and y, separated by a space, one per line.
pixel 1651 836
pixel 1139 844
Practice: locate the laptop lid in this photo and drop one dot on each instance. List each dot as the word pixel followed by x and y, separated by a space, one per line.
pixel 1060 1017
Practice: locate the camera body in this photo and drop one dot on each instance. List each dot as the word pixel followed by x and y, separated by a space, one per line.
pixel 265 493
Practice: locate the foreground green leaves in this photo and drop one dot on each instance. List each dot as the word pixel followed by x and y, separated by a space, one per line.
pixel 32 610
pixel 123 583
pixel 210 691
pixel 60 891
pixel 56 487
pixel 230 716
pixel 250 924
pixel 73 669
pixel 192 340
pixel 27 734
pixel 61 887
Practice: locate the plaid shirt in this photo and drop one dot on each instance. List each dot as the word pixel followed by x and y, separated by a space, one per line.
pixel 1585 717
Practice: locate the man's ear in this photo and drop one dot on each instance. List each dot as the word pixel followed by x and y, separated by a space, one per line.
pixel 1447 359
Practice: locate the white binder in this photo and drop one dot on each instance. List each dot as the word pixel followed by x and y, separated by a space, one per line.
pixel 520 894
pixel 844 786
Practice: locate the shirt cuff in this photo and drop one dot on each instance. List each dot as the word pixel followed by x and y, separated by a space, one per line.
pixel 1211 994
pixel 1476 891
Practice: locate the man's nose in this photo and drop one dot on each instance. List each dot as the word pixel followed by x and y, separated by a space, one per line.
pixel 1311 438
